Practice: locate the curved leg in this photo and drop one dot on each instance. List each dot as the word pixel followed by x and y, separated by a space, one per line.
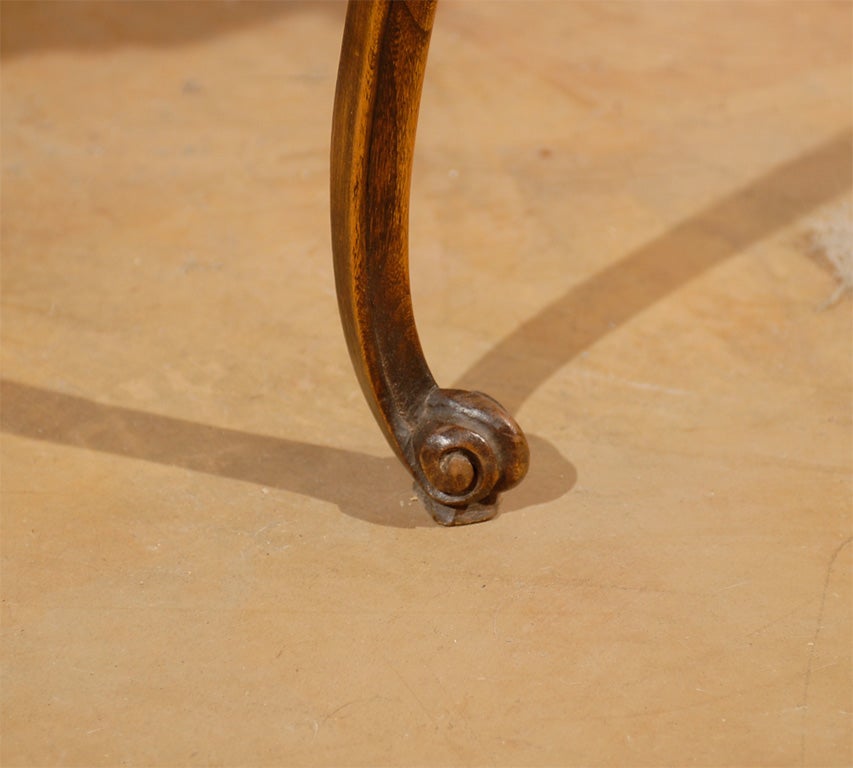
pixel 461 447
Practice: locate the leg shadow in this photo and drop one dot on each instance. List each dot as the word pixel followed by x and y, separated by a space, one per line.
pixel 587 312
pixel 32 26
pixel 372 490
pixel 373 487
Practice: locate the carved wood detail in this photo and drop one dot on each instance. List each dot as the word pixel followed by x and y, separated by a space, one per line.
pixel 461 447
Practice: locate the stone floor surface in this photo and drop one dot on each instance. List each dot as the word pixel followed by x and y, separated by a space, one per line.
pixel 210 556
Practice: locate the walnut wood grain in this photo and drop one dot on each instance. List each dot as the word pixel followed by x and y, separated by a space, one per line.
pixel 461 447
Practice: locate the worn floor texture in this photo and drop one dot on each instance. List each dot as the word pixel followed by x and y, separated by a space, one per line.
pixel 209 555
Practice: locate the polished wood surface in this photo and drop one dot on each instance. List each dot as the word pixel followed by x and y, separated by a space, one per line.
pixel 461 447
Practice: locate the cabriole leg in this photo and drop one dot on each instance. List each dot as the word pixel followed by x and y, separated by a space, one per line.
pixel 461 447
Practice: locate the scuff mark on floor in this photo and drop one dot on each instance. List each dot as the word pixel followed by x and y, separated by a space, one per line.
pixel 830 241
pixel 807 676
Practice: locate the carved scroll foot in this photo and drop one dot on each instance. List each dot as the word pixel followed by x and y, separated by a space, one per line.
pixel 465 450
pixel 462 448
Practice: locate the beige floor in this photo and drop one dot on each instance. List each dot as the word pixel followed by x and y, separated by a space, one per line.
pixel 210 556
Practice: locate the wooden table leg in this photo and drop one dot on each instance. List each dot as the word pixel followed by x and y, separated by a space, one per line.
pixel 461 447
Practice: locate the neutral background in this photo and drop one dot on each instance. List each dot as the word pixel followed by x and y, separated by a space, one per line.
pixel 210 556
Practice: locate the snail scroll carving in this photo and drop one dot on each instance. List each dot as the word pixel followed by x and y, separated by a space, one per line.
pixel 462 448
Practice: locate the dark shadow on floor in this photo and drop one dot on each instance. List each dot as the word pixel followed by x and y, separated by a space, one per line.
pixel 365 487
pixel 371 488
pixel 30 26
pixel 518 365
